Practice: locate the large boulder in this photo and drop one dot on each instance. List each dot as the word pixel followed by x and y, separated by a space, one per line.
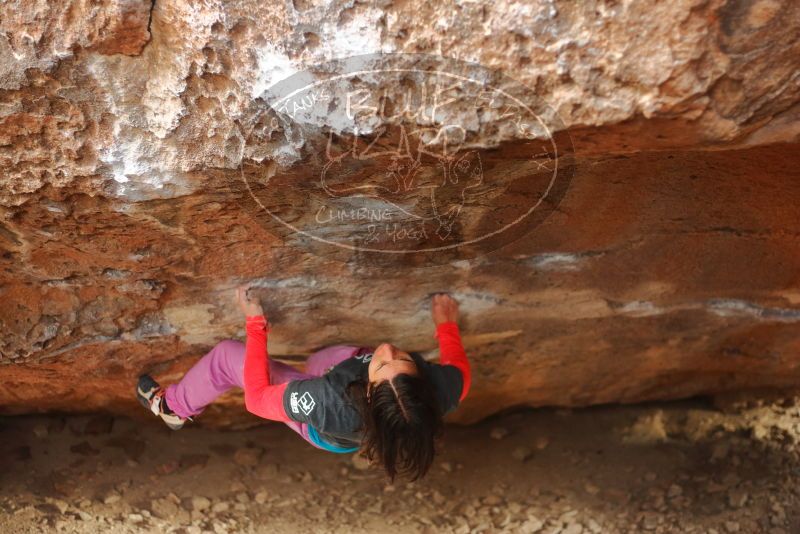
pixel 146 173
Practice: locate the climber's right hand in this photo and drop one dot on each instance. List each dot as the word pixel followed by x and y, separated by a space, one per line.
pixel 250 306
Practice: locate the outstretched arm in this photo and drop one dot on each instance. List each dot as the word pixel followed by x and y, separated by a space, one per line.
pixel 260 397
pixel 444 310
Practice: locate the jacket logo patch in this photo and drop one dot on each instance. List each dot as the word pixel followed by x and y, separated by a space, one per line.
pixel 307 403
pixel 293 402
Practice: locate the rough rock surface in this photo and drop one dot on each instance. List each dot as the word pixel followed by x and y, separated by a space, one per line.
pixel 668 269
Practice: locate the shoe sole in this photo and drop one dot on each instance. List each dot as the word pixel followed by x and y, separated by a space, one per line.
pixel 171 426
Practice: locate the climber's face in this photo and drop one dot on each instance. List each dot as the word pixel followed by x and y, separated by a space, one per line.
pixel 388 361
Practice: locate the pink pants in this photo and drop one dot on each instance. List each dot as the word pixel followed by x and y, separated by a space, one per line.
pixel 223 368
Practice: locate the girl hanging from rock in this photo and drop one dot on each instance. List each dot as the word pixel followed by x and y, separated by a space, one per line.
pixel 385 402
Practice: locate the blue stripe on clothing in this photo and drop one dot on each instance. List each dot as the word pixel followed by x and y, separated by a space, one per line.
pixel 312 433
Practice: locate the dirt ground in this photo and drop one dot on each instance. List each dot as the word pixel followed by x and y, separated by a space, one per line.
pixel 678 467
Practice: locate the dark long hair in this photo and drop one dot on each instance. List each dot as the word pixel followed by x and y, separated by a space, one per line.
pixel 401 423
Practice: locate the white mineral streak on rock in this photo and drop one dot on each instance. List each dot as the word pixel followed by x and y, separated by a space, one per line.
pixel 640 308
pixel 556 261
pixel 140 155
pixel 273 66
pixel 360 35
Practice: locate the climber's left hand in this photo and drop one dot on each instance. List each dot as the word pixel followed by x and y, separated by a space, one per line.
pixel 250 306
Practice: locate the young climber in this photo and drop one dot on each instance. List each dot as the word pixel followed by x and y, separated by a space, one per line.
pixel 384 402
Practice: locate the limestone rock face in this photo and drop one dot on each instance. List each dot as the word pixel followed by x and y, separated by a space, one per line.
pixel 146 173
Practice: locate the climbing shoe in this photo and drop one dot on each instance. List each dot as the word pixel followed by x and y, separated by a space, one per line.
pixel 151 396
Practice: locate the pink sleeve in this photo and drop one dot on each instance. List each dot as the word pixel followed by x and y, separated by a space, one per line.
pixel 260 397
pixel 451 352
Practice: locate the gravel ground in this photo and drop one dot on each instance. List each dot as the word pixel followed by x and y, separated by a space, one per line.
pixel 674 467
